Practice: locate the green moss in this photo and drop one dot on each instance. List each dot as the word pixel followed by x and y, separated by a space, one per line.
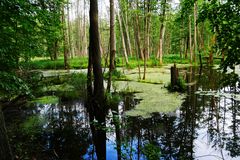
pixel 46 100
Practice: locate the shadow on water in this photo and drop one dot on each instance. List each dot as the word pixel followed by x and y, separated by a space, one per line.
pixel 205 127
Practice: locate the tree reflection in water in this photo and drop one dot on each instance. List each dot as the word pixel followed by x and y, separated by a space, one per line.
pixel 205 127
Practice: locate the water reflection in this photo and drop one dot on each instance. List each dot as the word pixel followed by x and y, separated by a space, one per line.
pixel 205 127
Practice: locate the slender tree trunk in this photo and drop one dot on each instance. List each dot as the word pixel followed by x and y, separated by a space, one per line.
pixel 69 31
pixel 112 44
pixel 78 34
pixel 146 38
pixel 186 40
pixel 190 39
pixel 125 33
pixel 182 40
pixel 5 150
pixel 162 32
pixel 55 50
pixel 123 40
pixel 125 23
pixel 160 51
pixel 124 15
pixel 137 38
pixel 148 32
pixel 85 32
pixel 195 31
pixel 65 41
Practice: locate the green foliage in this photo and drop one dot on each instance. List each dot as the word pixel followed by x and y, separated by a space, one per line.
pixel 230 79
pixel 179 87
pixel 75 63
pixel 151 151
pixel 78 81
pixel 47 100
pixel 112 99
pixel 224 19
pixel 11 85
pixel 26 29
pixel 32 126
pixel 116 75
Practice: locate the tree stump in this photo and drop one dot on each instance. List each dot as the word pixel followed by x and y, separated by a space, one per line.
pixel 174 76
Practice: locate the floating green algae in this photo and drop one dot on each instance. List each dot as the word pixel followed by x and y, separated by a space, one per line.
pixel 155 97
pixel 153 75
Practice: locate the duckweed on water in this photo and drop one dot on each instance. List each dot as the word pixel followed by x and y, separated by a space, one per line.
pixel 155 97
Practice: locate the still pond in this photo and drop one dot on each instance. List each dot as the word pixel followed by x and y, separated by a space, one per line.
pixel 204 126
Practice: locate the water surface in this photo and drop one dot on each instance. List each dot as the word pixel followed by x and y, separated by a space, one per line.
pixel 206 126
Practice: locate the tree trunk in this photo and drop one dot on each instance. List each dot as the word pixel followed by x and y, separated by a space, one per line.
pixel 69 31
pixel 98 91
pixel 190 39
pixel 85 47
pixel 128 42
pixel 95 52
pixel 137 38
pixel 174 76
pixel 148 34
pixel 78 34
pixel 146 38
pixel 65 41
pixel 195 31
pixel 186 44
pixel 160 50
pixel 122 35
pixel 162 32
pixel 5 150
pixel 112 44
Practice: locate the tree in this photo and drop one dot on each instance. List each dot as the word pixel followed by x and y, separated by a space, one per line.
pixel 112 43
pixel 97 101
pixel 65 40
pixel 122 37
pixel 195 31
pixel 146 36
pixel 162 31
pixel 27 29
pixel 224 19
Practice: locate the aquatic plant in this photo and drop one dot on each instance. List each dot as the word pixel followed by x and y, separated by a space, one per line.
pixel 179 87
pixel 151 151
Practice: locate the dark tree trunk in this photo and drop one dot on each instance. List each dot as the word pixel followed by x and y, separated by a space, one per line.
pixel 95 52
pixel 55 50
pixel 5 150
pixel 98 91
pixel 112 44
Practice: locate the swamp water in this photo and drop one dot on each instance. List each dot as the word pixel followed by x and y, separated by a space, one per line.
pixel 204 126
